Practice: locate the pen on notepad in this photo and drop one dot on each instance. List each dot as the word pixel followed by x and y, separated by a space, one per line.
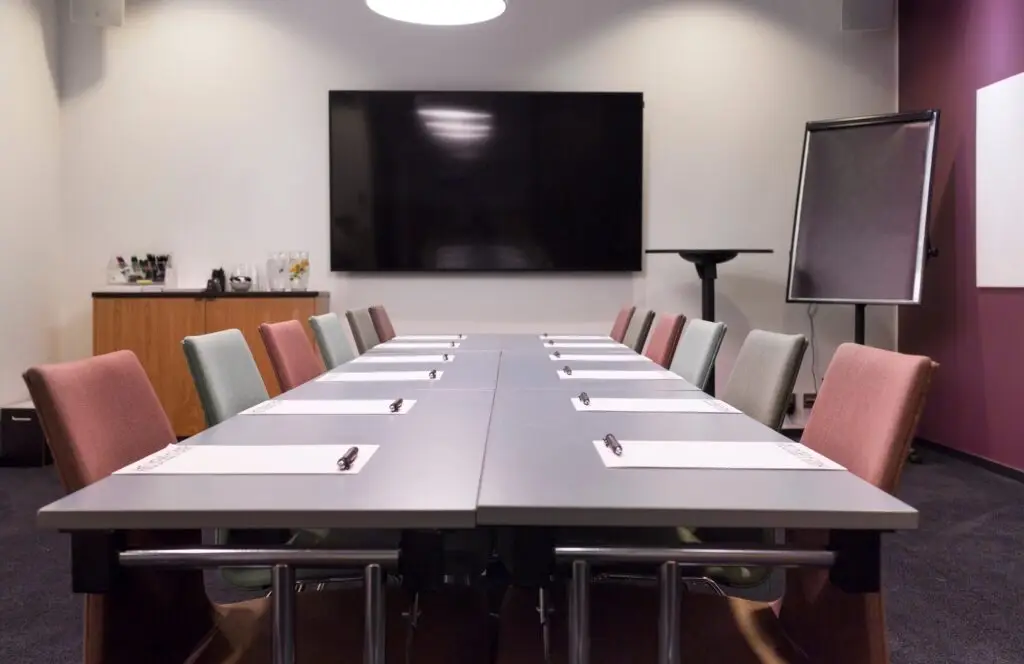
pixel 432 374
pixel 584 398
pixel 445 357
pixel 612 443
pixel 557 354
pixel 349 458
pixel 453 344
pixel 396 405
pixel 567 370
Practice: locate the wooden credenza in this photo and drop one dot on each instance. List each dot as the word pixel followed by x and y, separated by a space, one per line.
pixel 152 325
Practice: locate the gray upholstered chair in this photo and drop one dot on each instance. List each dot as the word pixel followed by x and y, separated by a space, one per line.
pixel 697 350
pixel 225 374
pixel 639 326
pixel 764 374
pixel 330 339
pixel 363 331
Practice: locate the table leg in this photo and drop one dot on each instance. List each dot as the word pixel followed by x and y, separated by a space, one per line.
pixel 373 638
pixel 283 598
pixel 668 614
pixel 579 613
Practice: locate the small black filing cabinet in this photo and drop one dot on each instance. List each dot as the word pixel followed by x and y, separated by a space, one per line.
pixel 22 442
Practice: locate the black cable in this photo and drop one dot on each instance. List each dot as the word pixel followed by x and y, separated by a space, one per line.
pixel 812 310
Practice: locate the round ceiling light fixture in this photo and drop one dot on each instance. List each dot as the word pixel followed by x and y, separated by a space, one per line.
pixel 439 12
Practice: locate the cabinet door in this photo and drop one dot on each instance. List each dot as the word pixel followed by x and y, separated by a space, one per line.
pixel 152 328
pixel 246 314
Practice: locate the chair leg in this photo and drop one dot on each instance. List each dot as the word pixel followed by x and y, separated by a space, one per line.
pixel 283 603
pixel 411 621
pixel 545 610
pixel 706 581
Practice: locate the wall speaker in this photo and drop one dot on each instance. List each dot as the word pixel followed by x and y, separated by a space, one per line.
pixel 101 13
pixel 869 14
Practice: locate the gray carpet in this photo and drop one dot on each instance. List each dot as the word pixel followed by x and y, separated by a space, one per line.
pixel 955 587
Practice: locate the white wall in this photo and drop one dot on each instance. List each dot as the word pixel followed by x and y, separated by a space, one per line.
pixel 201 128
pixel 29 189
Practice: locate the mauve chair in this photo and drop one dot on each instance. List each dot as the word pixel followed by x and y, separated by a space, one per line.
pixel 621 323
pixel 664 338
pixel 292 356
pixel 101 414
pixel 382 323
pixel 864 418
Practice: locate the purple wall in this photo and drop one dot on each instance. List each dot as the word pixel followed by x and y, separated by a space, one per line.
pixel 947 50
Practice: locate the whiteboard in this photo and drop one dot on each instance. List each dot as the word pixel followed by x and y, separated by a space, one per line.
pixel 859 232
pixel 999 188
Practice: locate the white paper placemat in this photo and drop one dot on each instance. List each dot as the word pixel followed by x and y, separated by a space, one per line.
pixel 182 459
pixel 577 337
pixel 608 345
pixel 329 407
pixel 429 337
pixel 403 359
pixel 377 376
pixel 714 455
pixel 583 374
pixel 611 357
pixel 402 345
pixel 598 404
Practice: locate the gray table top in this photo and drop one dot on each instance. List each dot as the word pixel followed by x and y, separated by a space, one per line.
pixel 489 341
pixel 543 470
pixel 495 441
pixel 425 475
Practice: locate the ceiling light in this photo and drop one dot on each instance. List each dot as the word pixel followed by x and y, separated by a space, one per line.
pixel 439 12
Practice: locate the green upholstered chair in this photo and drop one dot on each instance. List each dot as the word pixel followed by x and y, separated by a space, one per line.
pixel 331 340
pixel 363 331
pixel 225 374
pixel 637 330
pixel 697 350
pixel 764 374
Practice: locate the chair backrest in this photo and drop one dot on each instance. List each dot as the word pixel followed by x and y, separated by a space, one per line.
pixel 664 339
pixel 99 415
pixel 697 350
pixel 225 374
pixel 621 323
pixel 363 331
pixel 330 338
pixel 382 323
pixel 864 418
pixel 637 329
pixel 764 374
pixel 291 354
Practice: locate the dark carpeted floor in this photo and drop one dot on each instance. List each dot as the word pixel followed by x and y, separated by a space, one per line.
pixel 955 587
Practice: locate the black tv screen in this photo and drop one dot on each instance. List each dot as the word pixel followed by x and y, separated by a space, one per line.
pixel 486 181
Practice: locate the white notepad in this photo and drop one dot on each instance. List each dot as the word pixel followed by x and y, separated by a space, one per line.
pixel 606 405
pixel 182 459
pixel 403 359
pixel 329 407
pixel 612 357
pixel 378 376
pixel 429 337
pixel 608 345
pixel 714 455
pixel 576 337
pixel 438 345
pixel 583 374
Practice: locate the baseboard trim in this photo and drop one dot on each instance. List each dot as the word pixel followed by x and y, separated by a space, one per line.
pixel 980 462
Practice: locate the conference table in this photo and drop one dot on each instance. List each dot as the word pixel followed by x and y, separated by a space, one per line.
pixel 495 439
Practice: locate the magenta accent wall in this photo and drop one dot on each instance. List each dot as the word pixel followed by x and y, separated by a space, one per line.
pixel 947 50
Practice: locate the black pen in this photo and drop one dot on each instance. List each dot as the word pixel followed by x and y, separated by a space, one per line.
pixel 567 370
pixel 585 398
pixel 453 344
pixel 551 343
pixel 545 335
pixel 557 354
pixel 396 405
pixel 349 458
pixel 612 443
pixel 433 374
pixel 446 357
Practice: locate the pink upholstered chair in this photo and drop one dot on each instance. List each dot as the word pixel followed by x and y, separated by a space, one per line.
pixel 621 323
pixel 382 323
pixel 291 354
pixel 864 418
pixel 661 347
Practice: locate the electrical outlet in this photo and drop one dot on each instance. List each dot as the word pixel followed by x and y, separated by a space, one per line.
pixel 791 404
pixel 809 398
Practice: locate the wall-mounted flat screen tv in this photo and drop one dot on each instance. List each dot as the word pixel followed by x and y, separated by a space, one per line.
pixel 486 181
